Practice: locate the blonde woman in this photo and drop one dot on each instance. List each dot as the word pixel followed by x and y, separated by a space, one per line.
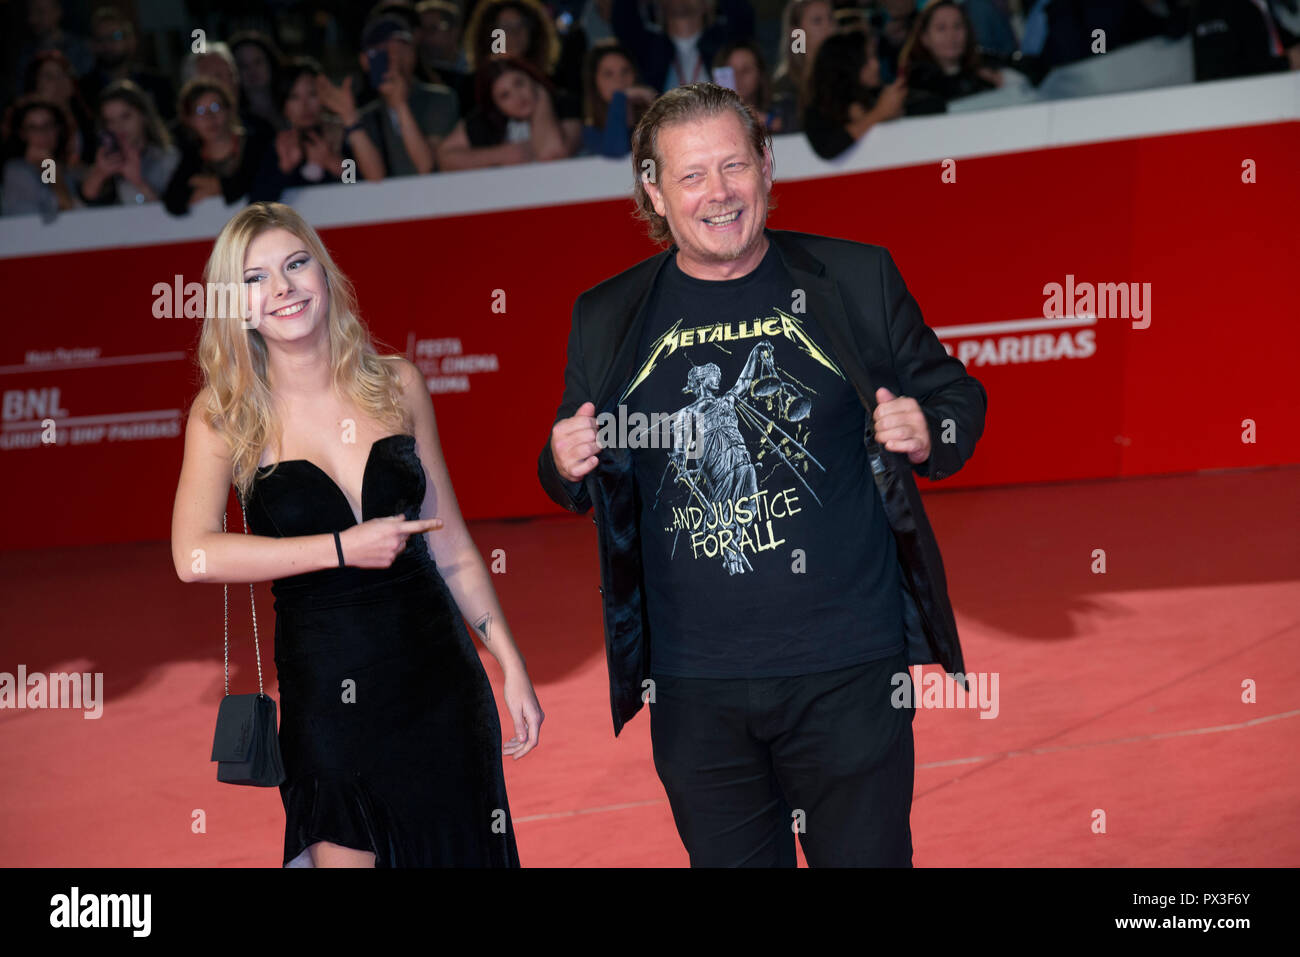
pixel 388 726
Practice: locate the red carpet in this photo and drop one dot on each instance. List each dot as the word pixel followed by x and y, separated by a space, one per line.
pixel 1120 694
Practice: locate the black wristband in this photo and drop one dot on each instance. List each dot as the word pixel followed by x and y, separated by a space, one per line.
pixel 338 547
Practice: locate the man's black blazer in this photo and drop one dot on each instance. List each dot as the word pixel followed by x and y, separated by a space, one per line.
pixel 877 337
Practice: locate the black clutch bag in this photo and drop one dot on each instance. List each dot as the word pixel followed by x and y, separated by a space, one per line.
pixel 246 745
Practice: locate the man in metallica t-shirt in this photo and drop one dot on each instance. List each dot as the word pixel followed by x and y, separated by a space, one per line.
pixel 764 542
pixel 770 574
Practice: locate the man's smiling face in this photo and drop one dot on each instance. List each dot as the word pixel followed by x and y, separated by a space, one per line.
pixel 713 191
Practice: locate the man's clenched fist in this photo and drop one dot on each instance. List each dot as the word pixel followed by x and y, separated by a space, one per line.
pixel 574 445
pixel 900 426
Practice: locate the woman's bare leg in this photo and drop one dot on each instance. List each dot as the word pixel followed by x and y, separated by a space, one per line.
pixel 325 854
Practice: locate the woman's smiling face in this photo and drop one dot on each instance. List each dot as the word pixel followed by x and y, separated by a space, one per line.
pixel 288 295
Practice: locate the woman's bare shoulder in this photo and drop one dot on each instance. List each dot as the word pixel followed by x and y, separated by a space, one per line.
pixel 411 378
pixel 199 407
pixel 199 428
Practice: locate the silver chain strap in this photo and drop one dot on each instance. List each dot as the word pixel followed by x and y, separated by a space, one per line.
pixel 225 589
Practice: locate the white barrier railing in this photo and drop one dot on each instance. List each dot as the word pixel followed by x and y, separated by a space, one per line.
pixel 904 142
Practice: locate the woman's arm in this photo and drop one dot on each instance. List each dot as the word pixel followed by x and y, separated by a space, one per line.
pixel 888 106
pixel 201 552
pixel 456 153
pixel 458 558
pixel 551 137
pixel 571 135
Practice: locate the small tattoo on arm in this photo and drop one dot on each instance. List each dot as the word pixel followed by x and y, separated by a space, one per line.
pixel 483 626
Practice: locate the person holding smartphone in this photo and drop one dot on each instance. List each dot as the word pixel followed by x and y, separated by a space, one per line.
pixel 135 158
pixel 740 66
pixel 692 33
pixel 409 119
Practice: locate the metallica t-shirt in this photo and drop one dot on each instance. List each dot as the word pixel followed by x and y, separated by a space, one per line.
pixel 766 548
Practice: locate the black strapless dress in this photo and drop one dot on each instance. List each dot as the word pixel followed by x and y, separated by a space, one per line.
pixel 388 727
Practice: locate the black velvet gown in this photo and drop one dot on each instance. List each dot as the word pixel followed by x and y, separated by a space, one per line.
pixel 388 727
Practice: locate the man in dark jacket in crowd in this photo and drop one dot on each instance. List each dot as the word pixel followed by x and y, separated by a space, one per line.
pixel 680 51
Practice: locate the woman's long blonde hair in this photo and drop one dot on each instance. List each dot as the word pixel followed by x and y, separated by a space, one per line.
pixel 233 359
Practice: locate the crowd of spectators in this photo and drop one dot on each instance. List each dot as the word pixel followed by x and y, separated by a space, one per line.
pixel 244 102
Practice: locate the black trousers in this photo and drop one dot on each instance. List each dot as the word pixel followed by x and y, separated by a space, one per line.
pixel 750 762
